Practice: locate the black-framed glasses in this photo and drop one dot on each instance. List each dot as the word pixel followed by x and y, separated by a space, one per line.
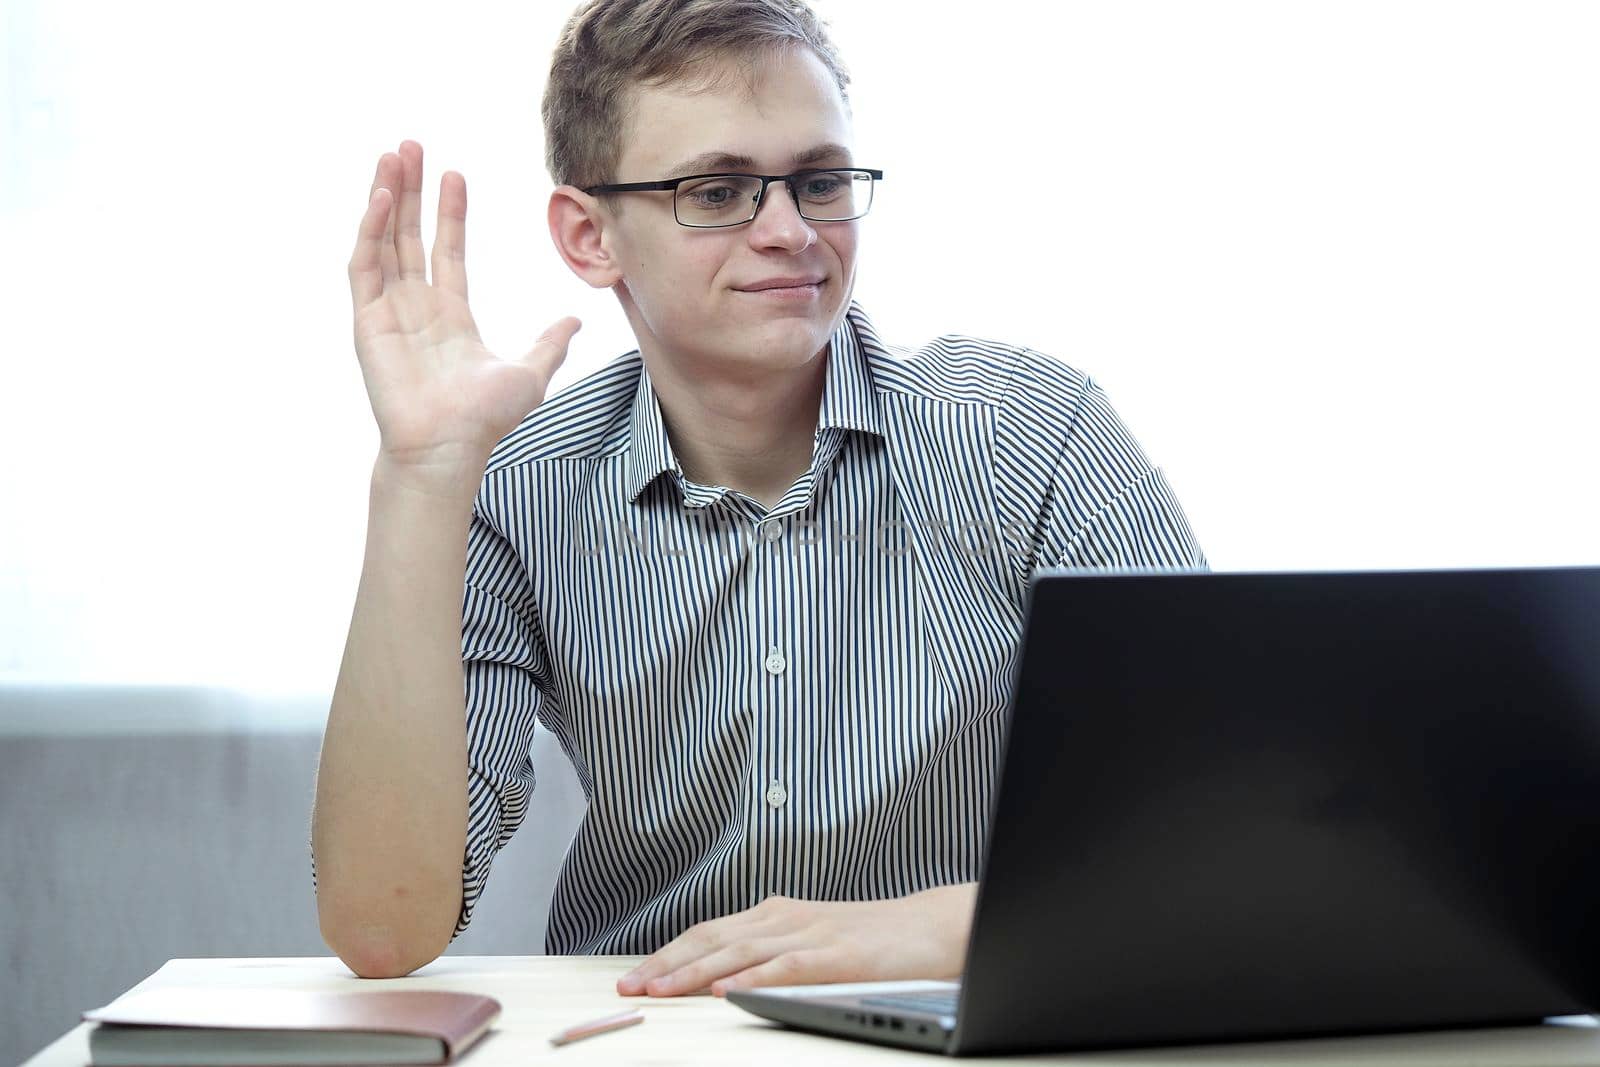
pixel 703 201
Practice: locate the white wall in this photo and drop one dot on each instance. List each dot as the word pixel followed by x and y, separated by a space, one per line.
pixel 1335 262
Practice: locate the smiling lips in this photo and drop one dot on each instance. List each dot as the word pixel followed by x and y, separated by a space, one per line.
pixel 781 283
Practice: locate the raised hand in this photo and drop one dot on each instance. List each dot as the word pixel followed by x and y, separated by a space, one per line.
pixel 440 397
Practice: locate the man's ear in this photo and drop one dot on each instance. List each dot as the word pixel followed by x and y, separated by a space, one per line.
pixel 577 226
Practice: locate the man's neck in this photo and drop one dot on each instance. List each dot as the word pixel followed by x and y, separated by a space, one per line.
pixel 754 435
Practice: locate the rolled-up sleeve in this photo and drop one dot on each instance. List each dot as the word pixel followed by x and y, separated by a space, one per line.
pixel 505 669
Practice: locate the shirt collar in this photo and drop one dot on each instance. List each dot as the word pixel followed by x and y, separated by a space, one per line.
pixel 849 402
pixel 649 451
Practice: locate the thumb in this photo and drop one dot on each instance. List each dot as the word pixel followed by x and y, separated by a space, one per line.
pixel 550 350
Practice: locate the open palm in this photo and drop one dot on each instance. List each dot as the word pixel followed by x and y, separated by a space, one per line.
pixel 439 396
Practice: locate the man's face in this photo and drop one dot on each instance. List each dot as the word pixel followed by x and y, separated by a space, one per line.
pixel 687 291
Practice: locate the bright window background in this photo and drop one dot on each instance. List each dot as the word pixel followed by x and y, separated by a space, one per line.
pixel 1335 262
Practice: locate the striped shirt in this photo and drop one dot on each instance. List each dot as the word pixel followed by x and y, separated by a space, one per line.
pixel 805 700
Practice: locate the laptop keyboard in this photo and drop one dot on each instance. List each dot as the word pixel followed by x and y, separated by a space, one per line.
pixel 938 1003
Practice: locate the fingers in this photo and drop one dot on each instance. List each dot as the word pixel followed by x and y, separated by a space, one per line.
pixel 701 939
pixel 373 260
pixel 389 178
pixel 550 350
pixel 408 214
pixel 450 235
pixel 366 270
pixel 739 957
pixel 682 950
pixel 805 966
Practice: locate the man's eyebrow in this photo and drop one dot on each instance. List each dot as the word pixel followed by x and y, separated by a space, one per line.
pixel 711 162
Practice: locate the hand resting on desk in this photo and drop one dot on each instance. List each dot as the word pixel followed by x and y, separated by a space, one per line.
pixel 783 941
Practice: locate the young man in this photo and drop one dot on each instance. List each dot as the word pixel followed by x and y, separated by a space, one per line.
pixel 762 578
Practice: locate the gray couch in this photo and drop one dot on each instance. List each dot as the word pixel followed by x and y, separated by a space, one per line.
pixel 142 824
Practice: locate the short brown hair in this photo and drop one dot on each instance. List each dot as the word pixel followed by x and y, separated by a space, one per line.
pixel 611 46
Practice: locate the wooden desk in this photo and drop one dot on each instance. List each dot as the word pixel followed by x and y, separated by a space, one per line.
pixel 543 994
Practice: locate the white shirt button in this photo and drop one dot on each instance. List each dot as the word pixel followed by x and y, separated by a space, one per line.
pixel 771 529
pixel 776 795
pixel 775 663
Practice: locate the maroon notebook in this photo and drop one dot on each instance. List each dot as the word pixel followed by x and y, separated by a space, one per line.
pixel 235 1027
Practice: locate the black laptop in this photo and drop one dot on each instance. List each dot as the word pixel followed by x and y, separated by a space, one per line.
pixel 1246 806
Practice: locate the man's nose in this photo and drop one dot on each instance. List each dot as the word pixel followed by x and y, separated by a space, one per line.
pixel 778 218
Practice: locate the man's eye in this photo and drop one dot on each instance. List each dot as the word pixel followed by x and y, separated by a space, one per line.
pixel 713 195
pixel 823 187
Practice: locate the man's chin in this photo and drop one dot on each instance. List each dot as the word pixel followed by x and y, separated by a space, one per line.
pixel 778 345
pixel 790 335
pixel 802 316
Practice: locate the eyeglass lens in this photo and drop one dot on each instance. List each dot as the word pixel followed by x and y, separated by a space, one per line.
pixel 728 199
